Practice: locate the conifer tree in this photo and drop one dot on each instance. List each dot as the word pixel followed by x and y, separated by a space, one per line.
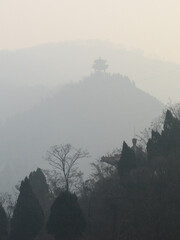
pixel 127 161
pixel 154 145
pixel 66 219
pixel 168 141
pixel 40 187
pixel 170 134
pixel 3 222
pixel 28 216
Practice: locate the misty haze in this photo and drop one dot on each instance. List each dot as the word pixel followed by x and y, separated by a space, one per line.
pixel 89 120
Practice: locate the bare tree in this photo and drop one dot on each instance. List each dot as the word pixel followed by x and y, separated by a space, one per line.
pixel 101 170
pixel 8 202
pixel 145 135
pixel 64 158
pixel 158 124
pixel 175 109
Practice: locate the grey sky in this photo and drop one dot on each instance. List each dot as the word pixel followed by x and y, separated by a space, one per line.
pixel 150 25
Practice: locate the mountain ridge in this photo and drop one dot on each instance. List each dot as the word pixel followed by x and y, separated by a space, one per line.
pixel 96 114
pixel 59 63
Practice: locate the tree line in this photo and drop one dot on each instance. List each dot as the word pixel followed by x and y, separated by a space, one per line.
pixel 132 193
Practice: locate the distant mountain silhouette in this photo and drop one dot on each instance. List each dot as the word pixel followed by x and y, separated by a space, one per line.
pixel 96 114
pixel 60 63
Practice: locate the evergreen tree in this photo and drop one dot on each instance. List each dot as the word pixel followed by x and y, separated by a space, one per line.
pixel 154 145
pixel 170 134
pixel 28 216
pixel 66 219
pixel 3 222
pixel 40 188
pixel 127 161
pixel 168 141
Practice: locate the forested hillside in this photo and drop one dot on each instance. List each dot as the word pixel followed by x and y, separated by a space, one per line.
pixel 60 63
pixel 136 195
pixel 95 114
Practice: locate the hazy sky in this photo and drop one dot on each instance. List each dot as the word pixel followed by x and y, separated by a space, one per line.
pixel 150 25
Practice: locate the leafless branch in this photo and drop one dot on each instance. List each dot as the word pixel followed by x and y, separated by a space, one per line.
pixel 64 159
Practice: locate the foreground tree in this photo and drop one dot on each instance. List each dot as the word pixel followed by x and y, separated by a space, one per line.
pixel 127 160
pixel 66 220
pixel 168 141
pixel 40 188
pixel 3 222
pixel 28 216
pixel 64 158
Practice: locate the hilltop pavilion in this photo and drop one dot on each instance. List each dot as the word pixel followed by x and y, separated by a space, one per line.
pixel 100 65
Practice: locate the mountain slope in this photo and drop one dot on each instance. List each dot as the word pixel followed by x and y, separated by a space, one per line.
pixel 54 64
pixel 17 98
pixel 96 114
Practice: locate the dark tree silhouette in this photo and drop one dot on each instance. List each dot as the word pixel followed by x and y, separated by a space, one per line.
pixel 40 187
pixel 166 142
pixel 170 134
pixel 3 222
pixel 154 145
pixel 66 220
pixel 127 161
pixel 28 216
